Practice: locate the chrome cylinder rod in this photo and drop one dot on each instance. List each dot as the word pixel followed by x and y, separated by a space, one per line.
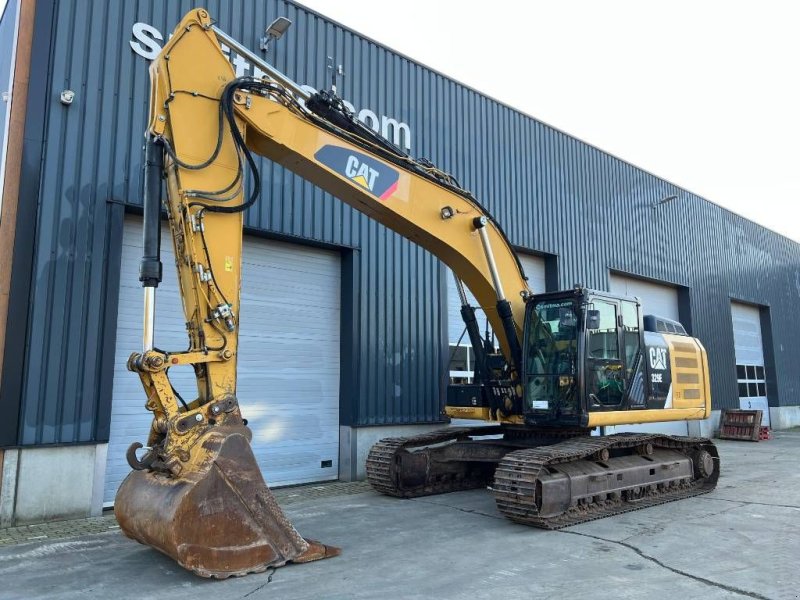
pixel 504 310
pixel 480 225
pixel 462 295
pixel 149 318
pixel 271 71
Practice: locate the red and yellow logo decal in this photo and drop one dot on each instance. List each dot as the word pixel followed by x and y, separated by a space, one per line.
pixel 376 177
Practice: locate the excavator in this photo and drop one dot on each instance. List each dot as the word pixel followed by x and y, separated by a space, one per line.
pixel 557 367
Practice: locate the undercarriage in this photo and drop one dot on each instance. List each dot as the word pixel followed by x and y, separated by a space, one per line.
pixel 548 478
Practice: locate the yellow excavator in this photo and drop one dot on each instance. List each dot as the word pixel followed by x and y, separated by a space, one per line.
pixel 564 364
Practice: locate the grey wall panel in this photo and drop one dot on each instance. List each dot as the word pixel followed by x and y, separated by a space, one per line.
pixel 553 194
pixel 13 399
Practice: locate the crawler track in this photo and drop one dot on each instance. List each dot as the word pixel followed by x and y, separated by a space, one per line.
pixel 516 477
pixel 385 472
pixel 400 467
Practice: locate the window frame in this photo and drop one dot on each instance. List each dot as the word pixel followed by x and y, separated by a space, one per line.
pixel 623 339
pixel 751 380
pixel 469 373
pixel 615 305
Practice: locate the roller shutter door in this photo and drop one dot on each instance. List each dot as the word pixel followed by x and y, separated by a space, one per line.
pixel 656 299
pixel 749 347
pixel 288 372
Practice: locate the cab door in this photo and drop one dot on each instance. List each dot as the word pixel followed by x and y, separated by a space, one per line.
pixel 632 343
pixel 605 369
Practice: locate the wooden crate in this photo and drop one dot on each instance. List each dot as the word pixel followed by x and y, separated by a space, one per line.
pixel 736 424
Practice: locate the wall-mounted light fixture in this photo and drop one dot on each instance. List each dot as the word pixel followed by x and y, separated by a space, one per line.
pixel 67 97
pixel 664 200
pixel 274 32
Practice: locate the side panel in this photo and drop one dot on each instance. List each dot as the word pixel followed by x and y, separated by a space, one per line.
pixel 657 361
pixel 689 366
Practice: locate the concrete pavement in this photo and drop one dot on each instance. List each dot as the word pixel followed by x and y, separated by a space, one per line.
pixel 741 541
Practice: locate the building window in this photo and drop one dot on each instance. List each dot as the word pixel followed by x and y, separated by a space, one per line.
pixel 462 361
pixel 752 381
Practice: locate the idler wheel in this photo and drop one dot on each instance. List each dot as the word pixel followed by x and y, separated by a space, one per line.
pixel 703 464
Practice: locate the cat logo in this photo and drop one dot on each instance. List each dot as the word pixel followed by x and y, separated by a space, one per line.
pixel 658 358
pixel 360 173
pixel 367 172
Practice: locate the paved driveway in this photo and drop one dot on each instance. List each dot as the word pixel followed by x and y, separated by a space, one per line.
pixel 741 541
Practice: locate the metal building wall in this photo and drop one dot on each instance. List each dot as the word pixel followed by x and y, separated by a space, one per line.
pixel 553 194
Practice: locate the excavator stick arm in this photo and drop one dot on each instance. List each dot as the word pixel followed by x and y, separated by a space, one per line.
pixel 197 494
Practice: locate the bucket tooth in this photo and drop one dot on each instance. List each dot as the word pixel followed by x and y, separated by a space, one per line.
pixel 317 551
pixel 218 518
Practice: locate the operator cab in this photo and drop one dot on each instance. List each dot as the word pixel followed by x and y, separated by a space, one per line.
pixel 583 352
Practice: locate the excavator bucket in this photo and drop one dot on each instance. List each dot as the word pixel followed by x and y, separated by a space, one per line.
pixel 217 518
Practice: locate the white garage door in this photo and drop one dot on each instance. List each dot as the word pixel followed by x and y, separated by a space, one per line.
pixel 461 365
pixel 656 299
pixel 749 347
pixel 288 371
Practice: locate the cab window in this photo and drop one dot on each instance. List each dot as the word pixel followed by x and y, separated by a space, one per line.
pixel 605 380
pixel 602 342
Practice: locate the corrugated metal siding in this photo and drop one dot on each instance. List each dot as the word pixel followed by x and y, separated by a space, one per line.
pixel 553 193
